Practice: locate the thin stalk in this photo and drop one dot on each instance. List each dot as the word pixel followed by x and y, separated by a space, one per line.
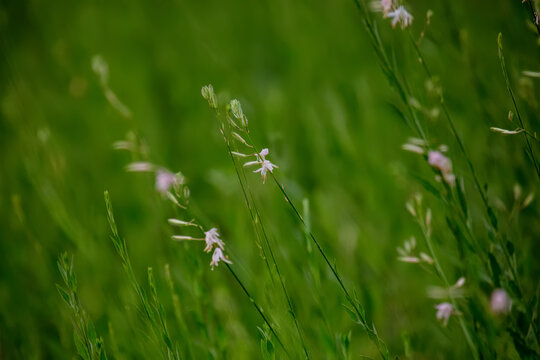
pixel 381 347
pixel 509 88
pixel 178 311
pixel 150 310
pixel 256 219
pixel 455 134
pixel 244 192
pixel 534 15
pixel 251 299
pixel 491 216
pixel 442 275
pixel 259 310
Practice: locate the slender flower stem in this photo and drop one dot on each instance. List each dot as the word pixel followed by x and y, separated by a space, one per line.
pixel 259 310
pixel 256 219
pixel 251 299
pixel 509 88
pixel 442 275
pixel 491 216
pixel 489 211
pixel 372 334
pixel 454 130
pixel 208 94
pixel 243 184
pixel 534 15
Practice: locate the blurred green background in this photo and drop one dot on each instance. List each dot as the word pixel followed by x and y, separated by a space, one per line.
pixel 309 82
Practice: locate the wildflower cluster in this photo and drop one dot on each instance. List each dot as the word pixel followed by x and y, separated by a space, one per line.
pixel 211 239
pixel 173 187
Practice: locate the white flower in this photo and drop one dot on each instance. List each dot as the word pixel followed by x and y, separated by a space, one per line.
pixel 460 282
pixel 402 16
pixel 266 165
pixel 426 258
pixel 212 237
pixel 413 148
pixel 500 302
pixel 185 238
pixel 123 145
pixel 218 256
pixel 164 181
pixel 505 131
pixel 140 166
pixel 444 311
pixel 264 152
pixel 177 222
pixel 409 259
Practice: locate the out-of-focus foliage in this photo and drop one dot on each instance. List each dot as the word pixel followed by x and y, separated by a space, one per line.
pixel 311 85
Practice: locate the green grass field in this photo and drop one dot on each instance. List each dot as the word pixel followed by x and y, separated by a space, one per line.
pixel 334 92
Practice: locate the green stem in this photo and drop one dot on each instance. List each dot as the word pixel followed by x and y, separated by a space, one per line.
pixel 511 92
pixel 372 334
pixel 259 310
pixel 442 275
pixel 256 219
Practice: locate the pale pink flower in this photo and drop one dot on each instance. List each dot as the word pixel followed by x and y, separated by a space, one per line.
pixel 500 302
pixel 444 311
pixel 164 181
pixel 218 256
pixel 437 160
pixel 264 152
pixel 401 16
pixel 266 165
pixel 386 6
pixel 212 238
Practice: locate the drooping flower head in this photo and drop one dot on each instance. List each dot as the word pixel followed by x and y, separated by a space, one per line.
pixel 211 237
pixel 439 161
pixel 164 181
pixel 444 311
pixel 266 166
pixel 400 16
pixel 218 256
